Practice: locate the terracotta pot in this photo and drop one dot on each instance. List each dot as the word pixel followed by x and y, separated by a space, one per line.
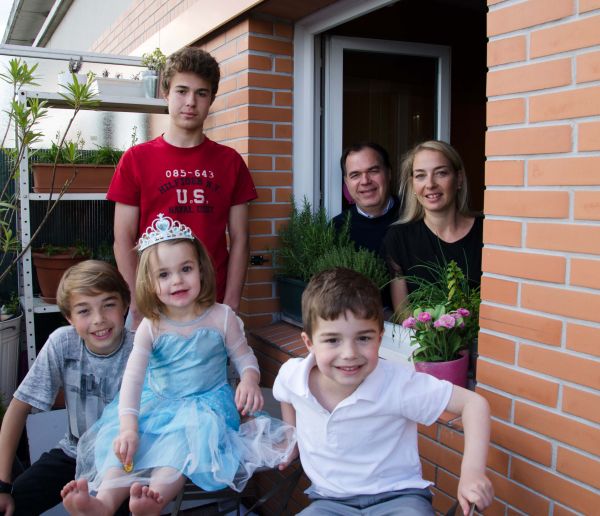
pixel 455 371
pixel 50 269
pixel 88 179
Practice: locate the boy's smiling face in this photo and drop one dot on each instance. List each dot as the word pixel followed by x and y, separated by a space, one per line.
pixel 346 352
pixel 99 320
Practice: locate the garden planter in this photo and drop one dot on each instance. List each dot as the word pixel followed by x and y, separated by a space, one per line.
pixel 290 299
pixel 10 331
pixel 88 178
pixel 112 87
pixel 150 82
pixel 50 269
pixel 455 371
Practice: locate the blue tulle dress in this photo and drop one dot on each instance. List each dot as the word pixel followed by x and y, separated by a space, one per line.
pixel 188 421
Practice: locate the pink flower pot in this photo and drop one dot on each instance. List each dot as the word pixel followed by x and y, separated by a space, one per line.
pixel 455 371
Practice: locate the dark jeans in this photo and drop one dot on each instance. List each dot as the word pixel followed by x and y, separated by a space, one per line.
pixel 37 489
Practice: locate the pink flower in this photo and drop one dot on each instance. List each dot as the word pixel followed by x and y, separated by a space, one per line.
pixel 424 317
pixel 410 322
pixel 463 312
pixel 445 321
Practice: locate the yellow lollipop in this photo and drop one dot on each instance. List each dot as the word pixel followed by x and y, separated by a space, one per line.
pixel 128 467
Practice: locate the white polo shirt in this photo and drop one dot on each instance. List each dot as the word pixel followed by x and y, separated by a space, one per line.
pixel 368 444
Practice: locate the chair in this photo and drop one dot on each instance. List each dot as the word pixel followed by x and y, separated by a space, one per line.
pixel 227 499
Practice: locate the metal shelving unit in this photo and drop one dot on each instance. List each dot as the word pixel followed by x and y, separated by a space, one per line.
pixel 34 305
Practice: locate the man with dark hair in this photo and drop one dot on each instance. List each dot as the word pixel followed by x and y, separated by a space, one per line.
pixel 187 176
pixel 367 176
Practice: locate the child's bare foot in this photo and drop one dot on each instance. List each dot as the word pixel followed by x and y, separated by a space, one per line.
pixel 144 501
pixel 77 500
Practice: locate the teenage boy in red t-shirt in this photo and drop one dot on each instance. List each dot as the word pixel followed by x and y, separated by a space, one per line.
pixel 187 176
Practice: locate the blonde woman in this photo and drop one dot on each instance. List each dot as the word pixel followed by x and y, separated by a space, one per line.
pixel 436 225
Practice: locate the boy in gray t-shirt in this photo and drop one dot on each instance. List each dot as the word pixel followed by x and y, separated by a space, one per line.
pixel 86 360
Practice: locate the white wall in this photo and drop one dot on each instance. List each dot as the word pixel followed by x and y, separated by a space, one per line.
pixel 85 21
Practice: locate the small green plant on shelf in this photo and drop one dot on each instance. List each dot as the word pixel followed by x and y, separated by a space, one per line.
pixel 77 250
pixel 10 308
pixel 154 60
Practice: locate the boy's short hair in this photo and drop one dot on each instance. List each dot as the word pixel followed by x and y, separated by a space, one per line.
pixel 90 278
pixel 145 290
pixel 331 293
pixel 194 60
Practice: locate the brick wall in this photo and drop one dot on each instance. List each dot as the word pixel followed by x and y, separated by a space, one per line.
pixel 253 114
pixel 540 340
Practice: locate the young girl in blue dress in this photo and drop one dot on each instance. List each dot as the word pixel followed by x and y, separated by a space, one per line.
pixel 177 416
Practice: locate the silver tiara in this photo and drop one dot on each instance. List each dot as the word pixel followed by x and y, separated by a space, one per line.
pixel 163 229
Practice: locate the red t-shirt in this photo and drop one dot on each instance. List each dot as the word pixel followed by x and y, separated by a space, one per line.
pixel 196 185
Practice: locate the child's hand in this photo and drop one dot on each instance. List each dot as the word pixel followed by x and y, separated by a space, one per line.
pixel 125 446
pixel 474 488
pixel 290 458
pixel 248 396
pixel 7 504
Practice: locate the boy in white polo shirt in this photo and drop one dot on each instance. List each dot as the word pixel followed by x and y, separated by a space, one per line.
pixel 356 415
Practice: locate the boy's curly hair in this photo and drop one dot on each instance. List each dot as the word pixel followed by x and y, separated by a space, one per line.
pixel 194 60
pixel 333 292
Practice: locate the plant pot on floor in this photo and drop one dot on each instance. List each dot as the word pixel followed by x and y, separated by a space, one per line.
pixel 88 178
pixel 10 331
pixel 455 371
pixel 50 269
pixel 290 299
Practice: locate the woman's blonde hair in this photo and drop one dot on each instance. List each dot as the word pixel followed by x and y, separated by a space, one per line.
pixel 412 208
pixel 145 285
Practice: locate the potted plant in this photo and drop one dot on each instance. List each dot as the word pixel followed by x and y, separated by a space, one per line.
pixel 52 261
pixel 309 244
pixel 76 171
pixel 118 86
pixel 10 331
pixel 154 62
pixel 442 316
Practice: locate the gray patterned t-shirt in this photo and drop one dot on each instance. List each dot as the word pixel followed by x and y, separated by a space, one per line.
pixel 90 381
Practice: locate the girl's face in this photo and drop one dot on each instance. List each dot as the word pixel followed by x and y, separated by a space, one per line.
pixel 177 278
pixel 435 182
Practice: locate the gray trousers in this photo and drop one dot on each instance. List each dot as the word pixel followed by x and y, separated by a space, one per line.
pixel 407 502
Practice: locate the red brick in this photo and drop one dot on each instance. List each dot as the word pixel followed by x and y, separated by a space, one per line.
pixel 564 171
pixel 564 237
pixel 500 406
pixel 585 273
pixel 561 301
pixel 260 162
pixel 440 455
pixel 503 112
pixel 272 178
pixel 500 349
pixel 579 435
pixel 499 291
pixel 260 26
pixel 589 136
pixel 260 227
pixel 542 267
pixel 588 67
pixel 272 46
pixel 560 365
pixel 579 467
pixel 256 62
pixel 518 495
pixel 520 324
pixel 270 80
pixel 266 113
pixel 516 441
pixel 581 403
pixel 284 65
pixel 256 146
pixel 506 50
pixel 564 37
pixel 587 205
pixel 588 5
pixel 527 14
pixel 502 232
pixel 529 77
pixel 584 339
pixel 504 173
pixel 532 140
pixel 551 485
pixel 517 382
pixel 565 104
pixel 520 203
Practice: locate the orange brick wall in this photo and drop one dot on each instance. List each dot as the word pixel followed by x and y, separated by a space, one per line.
pixel 539 346
pixel 253 114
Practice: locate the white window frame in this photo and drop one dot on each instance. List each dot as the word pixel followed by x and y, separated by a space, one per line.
pixel 333 101
pixel 306 138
